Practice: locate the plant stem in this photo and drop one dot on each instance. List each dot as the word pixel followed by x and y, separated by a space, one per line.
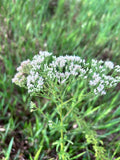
pixel 62 138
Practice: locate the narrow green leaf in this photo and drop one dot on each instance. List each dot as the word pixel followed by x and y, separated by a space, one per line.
pixel 79 155
pixel 9 149
pixel 39 151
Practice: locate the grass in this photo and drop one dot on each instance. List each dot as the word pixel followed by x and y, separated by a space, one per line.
pixel 86 28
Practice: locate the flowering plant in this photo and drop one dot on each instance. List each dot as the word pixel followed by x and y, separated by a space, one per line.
pixel 50 76
pixel 35 74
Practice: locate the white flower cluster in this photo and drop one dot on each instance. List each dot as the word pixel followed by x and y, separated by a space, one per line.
pixel 38 59
pixel 100 77
pixel 117 68
pixel 34 82
pixel 34 74
pixel 20 78
pixel 109 64
pixel 64 67
pixel 24 66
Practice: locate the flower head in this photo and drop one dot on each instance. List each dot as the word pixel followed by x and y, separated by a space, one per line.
pixel 35 73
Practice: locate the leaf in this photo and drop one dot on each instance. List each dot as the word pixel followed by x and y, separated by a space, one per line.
pixel 79 155
pixel 9 149
pixel 39 151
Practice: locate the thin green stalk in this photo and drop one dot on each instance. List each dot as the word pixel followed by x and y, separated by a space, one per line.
pixel 62 144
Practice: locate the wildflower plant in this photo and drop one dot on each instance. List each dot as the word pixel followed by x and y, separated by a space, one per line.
pixel 53 77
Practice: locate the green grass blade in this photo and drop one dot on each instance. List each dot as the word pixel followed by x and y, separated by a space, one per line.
pixel 9 149
pixel 79 155
pixel 39 151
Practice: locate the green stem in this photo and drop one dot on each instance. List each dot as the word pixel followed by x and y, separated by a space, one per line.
pixel 62 137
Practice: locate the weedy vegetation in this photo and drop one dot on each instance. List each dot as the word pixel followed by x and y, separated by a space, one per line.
pixel 76 118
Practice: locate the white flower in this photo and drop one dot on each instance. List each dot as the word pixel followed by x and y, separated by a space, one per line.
pixel 44 53
pixel 100 88
pixel 34 82
pixel 63 68
pixel 24 67
pixel 95 79
pixel 19 79
pixel 117 68
pixel 109 64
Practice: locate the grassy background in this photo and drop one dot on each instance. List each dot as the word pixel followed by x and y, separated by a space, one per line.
pixel 90 29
